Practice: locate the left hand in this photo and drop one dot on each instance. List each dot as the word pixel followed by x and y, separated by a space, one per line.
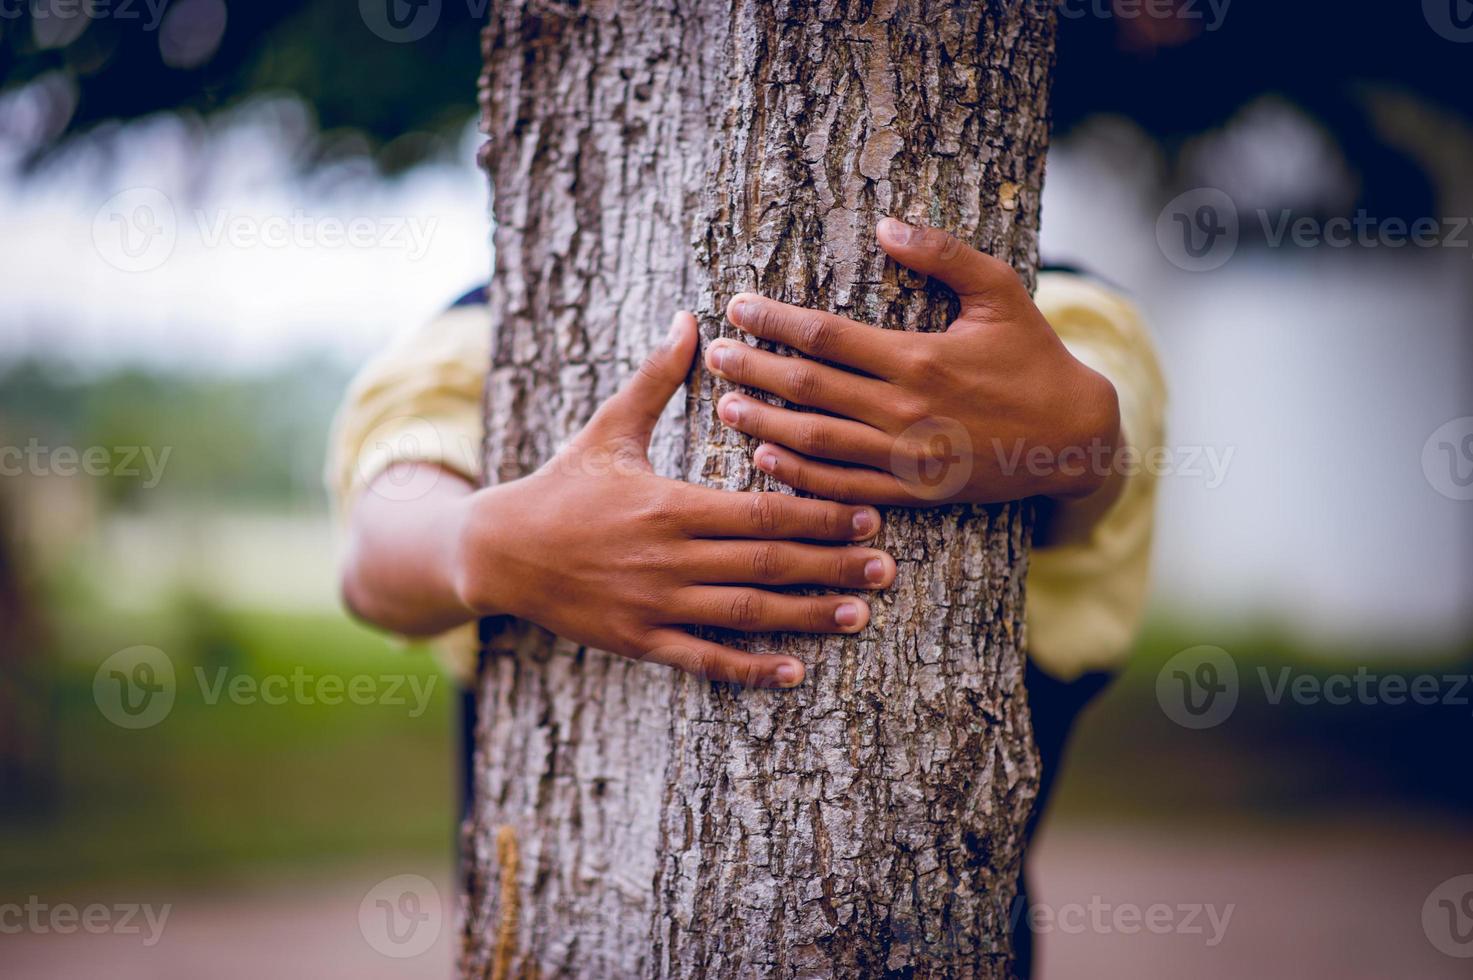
pixel 995 408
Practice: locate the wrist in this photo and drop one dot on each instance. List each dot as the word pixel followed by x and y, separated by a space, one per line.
pixel 476 559
pixel 1087 462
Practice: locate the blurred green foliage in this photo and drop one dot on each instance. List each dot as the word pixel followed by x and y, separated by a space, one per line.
pixel 253 439
pixel 233 788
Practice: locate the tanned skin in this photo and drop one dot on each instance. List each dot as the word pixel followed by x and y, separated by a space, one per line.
pixel 598 549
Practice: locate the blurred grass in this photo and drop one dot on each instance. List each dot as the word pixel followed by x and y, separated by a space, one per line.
pixel 230 788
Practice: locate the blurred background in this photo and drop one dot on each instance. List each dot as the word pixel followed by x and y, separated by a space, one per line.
pixel 214 210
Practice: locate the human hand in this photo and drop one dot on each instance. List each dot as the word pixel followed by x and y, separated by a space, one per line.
pixel 598 549
pixel 995 408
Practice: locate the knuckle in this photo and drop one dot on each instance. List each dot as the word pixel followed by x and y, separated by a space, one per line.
pixel 662 508
pixel 751 674
pixel 911 411
pixel 650 369
pixel 767 563
pixel 745 611
pixel 830 520
pixel 814 334
pixel 803 383
pixel 763 513
pixel 813 437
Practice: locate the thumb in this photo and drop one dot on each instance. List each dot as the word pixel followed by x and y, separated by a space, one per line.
pixel 635 409
pixel 932 252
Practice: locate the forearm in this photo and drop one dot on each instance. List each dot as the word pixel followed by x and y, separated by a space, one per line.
pixel 398 572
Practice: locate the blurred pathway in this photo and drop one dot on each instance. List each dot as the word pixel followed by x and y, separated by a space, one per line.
pixel 1342 902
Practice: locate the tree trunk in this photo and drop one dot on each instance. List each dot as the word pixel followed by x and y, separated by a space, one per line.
pixel 627 821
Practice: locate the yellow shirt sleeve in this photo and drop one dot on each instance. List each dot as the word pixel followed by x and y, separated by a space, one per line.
pixel 420 400
pixel 1086 600
pixel 417 401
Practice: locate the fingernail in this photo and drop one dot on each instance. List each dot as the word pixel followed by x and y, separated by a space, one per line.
pixel 896 232
pixel 716 357
pixel 789 674
pixel 731 411
pixel 866 522
pixel 739 311
pixel 674 334
pixel 874 571
pixel 847 614
pixel 766 460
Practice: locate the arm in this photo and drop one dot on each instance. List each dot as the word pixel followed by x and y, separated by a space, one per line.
pixel 598 549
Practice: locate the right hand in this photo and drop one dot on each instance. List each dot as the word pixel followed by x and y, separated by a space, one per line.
pixel 598 549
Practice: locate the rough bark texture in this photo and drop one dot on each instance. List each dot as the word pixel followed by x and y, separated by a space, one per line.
pixel 647 156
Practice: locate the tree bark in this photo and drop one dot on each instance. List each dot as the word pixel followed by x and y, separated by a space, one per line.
pixel 627 821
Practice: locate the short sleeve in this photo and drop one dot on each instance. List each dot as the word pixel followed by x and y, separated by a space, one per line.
pixel 418 400
pixel 1086 600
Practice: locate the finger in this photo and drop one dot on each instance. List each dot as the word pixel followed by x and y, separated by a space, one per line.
pixel 809 433
pixel 760 611
pixel 845 483
pixel 713 662
pixel 801 381
pixel 636 407
pixel 931 251
pixel 725 514
pixel 823 335
pixel 790 563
